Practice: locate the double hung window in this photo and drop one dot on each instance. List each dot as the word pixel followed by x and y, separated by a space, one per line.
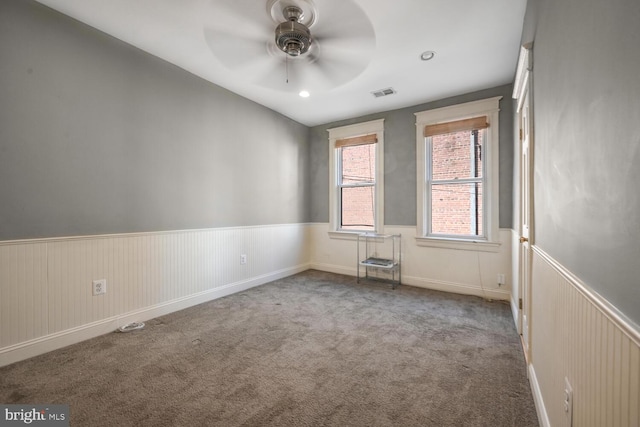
pixel 457 168
pixel 455 178
pixel 356 177
pixel 357 182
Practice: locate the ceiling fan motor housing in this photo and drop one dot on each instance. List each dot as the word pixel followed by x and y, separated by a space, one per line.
pixel 292 37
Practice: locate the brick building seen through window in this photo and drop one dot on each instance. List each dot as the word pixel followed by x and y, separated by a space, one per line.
pixel 456 207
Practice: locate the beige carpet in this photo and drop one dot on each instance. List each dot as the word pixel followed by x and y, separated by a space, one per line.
pixel 315 349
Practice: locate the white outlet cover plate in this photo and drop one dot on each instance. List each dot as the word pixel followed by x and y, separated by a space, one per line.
pixel 99 287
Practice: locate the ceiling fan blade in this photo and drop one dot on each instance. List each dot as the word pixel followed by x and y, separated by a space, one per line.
pixel 241 53
pixel 241 14
pixel 318 70
pixel 330 74
pixel 276 75
pixel 344 44
pixel 337 63
pixel 290 75
pixel 296 75
pixel 238 33
pixel 343 20
pixel 361 43
pixel 360 50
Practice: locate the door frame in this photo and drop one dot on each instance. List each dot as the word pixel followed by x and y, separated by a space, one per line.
pixel 522 92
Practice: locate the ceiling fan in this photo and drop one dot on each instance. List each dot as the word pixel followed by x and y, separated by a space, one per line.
pixel 291 44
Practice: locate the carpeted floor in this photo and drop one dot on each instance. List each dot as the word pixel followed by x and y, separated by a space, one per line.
pixel 315 349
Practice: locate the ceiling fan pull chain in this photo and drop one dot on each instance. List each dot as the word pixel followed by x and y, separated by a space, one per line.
pixel 286 67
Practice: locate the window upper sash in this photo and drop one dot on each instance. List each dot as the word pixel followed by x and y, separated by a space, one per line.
pixel 357 140
pixel 475 123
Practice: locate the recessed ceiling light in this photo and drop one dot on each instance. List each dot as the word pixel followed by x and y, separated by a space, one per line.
pixel 304 94
pixel 427 55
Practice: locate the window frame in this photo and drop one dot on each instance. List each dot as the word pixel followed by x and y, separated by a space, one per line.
pixel 431 183
pixel 351 131
pixel 490 109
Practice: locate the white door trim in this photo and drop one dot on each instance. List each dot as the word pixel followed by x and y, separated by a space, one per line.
pixel 522 93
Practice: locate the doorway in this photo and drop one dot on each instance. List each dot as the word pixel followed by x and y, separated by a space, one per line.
pixel 522 92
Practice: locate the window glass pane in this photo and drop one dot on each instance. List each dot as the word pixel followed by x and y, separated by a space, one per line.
pixel 457 155
pixel 357 208
pixel 457 209
pixel 358 164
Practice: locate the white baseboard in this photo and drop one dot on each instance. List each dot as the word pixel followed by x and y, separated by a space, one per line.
pixel 332 268
pixel 543 418
pixel 456 288
pixel 28 349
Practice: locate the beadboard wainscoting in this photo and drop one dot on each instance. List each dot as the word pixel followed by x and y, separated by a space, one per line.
pixel 46 299
pixel 577 335
pixel 467 272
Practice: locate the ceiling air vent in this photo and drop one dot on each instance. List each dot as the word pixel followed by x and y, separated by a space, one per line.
pixel 383 92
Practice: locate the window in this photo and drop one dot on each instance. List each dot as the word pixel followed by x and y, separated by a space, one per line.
pixel 357 186
pixel 356 177
pixel 455 179
pixel 457 166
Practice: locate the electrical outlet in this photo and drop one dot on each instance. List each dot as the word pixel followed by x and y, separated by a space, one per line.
pixel 568 402
pixel 501 279
pixel 99 287
pixel 243 259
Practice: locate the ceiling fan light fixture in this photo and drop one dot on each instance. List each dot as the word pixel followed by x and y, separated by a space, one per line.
pixel 304 94
pixel 293 48
pixel 292 37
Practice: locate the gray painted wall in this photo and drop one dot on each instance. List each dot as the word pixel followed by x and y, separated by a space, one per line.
pixel 400 159
pixel 586 89
pixel 99 137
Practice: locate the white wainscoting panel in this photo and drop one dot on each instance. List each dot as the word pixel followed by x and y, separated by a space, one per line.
pixel 46 298
pixel 450 270
pixel 576 334
pixel 23 294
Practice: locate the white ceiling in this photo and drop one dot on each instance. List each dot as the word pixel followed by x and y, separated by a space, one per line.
pixel 476 44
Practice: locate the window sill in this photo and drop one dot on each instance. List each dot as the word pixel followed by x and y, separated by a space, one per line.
pixel 463 245
pixel 345 235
